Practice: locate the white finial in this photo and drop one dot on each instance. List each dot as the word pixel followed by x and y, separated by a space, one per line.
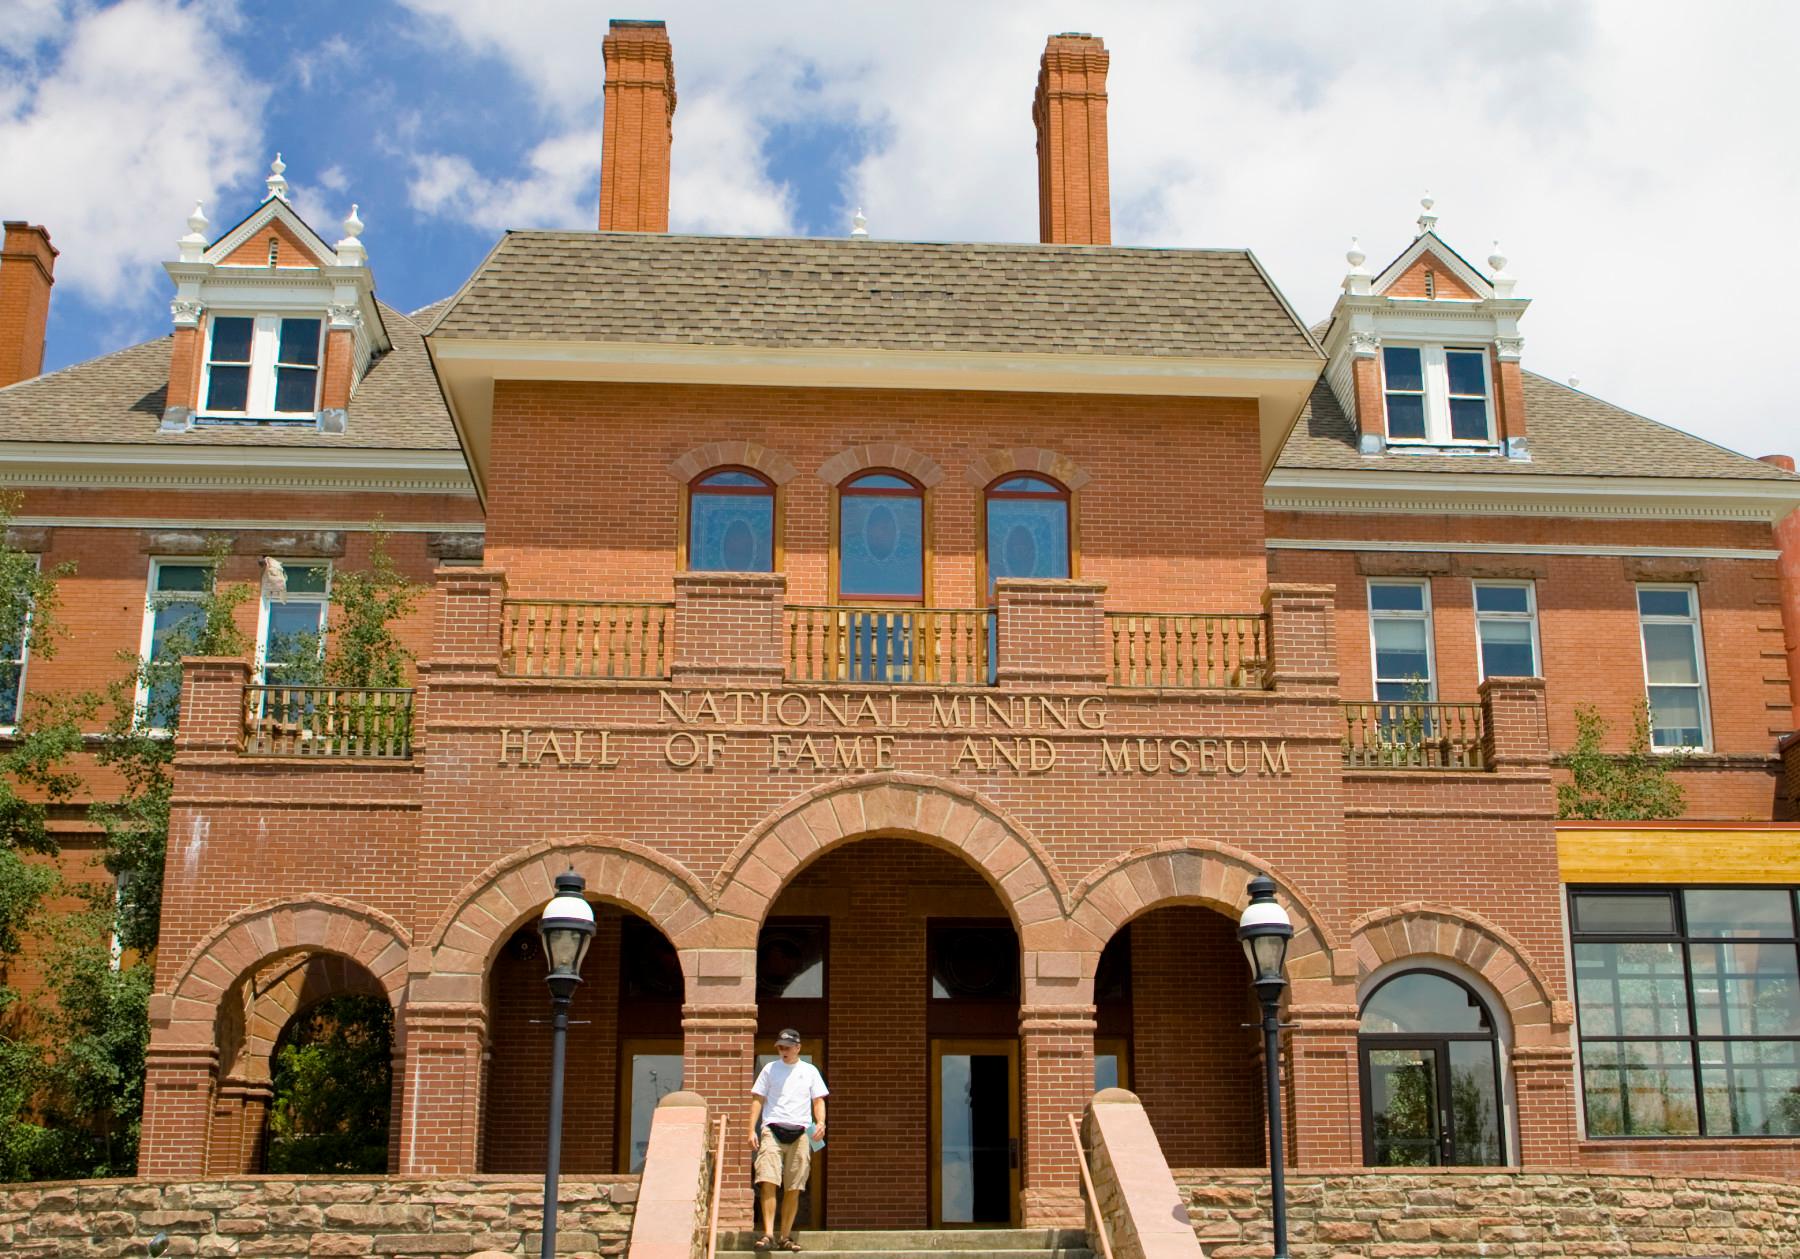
pixel 1427 220
pixel 278 186
pixel 197 223
pixel 193 245
pixel 1503 281
pixel 350 250
pixel 859 226
pixel 1355 256
pixel 1574 382
pixel 353 226
pixel 1357 279
pixel 1496 260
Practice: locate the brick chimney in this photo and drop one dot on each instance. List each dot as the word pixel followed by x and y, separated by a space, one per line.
pixel 27 266
pixel 1074 194
pixel 1787 538
pixel 640 114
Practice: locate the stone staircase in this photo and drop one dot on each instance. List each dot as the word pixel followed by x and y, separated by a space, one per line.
pixel 928 1243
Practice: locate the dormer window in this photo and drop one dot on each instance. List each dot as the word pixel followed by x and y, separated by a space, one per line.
pixel 1437 395
pixel 263 367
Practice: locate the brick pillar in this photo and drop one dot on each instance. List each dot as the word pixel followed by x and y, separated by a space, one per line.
pixel 1544 1086
pixel 718 1058
pixel 1302 639
pixel 439 1127
pixel 27 270
pixel 178 1101
pixel 638 127
pixel 1050 633
pixel 1371 406
pixel 1515 731
pixel 1321 1089
pixel 1057 1074
pixel 212 705
pixel 240 1120
pixel 1074 193
pixel 728 628
pixel 467 634
pixel 338 377
pixel 1509 395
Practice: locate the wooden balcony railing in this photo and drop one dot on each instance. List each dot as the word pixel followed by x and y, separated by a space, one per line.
pixel 573 638
pixel 337 721
pixel 1393 734
pixel 890 646
pixel 1188 650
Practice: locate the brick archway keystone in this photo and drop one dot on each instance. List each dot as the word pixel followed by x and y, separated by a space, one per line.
pixel 997 463
pixel 922 468
pixel 772 464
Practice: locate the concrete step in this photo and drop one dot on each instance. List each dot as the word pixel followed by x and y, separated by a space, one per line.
pixel 814 1252
pixel 999 1243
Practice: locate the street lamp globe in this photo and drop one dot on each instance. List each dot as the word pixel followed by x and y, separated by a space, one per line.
pixel 567 929
pixel 1264 930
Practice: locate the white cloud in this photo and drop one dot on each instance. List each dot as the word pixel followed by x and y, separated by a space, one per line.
pixel 140 112
pixel 559 189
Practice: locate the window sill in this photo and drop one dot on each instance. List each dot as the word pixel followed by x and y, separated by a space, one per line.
pixel 1412 446
pixel 254 421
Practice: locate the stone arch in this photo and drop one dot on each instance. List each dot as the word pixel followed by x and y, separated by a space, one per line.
pixel 289 987
pixel 914 806
pixel 772 464
pixel 1197 872
pixel 1422 931
pixel 995 464
pixel 490 907
pixel 921 467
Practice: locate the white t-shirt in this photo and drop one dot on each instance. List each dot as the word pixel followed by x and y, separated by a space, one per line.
pixel 788 1092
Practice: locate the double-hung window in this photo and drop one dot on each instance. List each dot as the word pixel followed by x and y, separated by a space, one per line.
pixel 1506 629
pixel 294 599
pixel 1400 636
pixel 13 650
pixel 1674 666
pixel 173 618
pixel 263 367
pixel 1437 395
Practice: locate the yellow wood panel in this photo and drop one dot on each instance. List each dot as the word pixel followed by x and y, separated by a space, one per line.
pixel 1651 855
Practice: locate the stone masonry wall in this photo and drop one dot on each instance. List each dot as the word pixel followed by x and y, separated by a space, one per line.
pixel 284 1217
pixel 1379 1214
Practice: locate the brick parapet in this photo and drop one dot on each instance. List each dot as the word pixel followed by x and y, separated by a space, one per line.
pixel 729 629
pixel 1302 639
pixel 212 705
pixel 1515 728
pixel 469 607
pixel 1050 633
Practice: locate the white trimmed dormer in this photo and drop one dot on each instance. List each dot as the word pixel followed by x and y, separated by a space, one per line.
pixel 1425 355
pixel 272 324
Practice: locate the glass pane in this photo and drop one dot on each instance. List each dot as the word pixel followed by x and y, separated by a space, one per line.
pixel 300 342
pixel 1638 988
pixel 1027 537
pixel 1743 913
pixel 231 339
pixel 1503 598
pixel 11 675
pixel 974 1139
pixel 790 961
pixel 732 533
pixel 1466 374
pixel 1469 419
pixel 1665 602
pixel 881 481
pixel 307 579
pixel 1106 1071
pixel 1601 912
pixel 1400 653
pixel 1506 650
pixel 1420 1001
pixel 1400 365
pixel 1403 1099
pixel 178 619
pixel 296 388
pixel 1675 717
pixel 1746 989
pixel 1027 485
pixel 732 477
pixel 1669 654
pixel 1750 1088
pixel 293 630
pixel 653 1077
pixel 881 547
pixel 181 577
pixel 974 963
pixel 1474 1105
pixel 1406 416
pixel 227 388
pixel 1642 1088
pixel 1406 598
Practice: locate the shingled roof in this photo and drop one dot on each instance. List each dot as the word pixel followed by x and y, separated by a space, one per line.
pixel 1571 434
pixel 119 397
pixel 866 294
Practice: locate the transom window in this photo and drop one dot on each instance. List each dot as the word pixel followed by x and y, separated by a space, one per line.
pixel 731 522
pixel 1506 628
pixel 172 618
pixel 1431 1075
pixel 1027 529
pixel 262 367
pixel 1674 666
pixel 1437 395
pixel 295 597
pixel 1688 1001
pixel 881 538
pixel 1400 636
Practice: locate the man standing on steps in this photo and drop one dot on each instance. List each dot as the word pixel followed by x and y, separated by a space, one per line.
pixel 788 1096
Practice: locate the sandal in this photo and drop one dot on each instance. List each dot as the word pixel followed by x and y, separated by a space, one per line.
pixel 788 1243
pixel 765 1242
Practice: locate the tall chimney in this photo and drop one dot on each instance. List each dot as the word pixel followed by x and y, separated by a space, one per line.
pixel 27 266
pixel 640 114
pixel 1787 538
pixel 1074 195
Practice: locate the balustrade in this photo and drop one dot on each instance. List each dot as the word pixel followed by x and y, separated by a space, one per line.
pixel 333 721
pixel 573 638
pixel 890 645
pixel 1405 734
pixel 1188 650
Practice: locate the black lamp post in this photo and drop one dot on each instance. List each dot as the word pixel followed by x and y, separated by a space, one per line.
pixel 1264 930
pixel 566 928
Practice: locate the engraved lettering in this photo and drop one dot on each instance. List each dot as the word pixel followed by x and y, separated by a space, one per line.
pixel 967 753
pixel 1231 767
pixel 1117 760
pixel 884 751
pixel 1043 755
pixel 830 707
pixel 847 753
pixel 682 749
pixel 1090 711
pixel 672 705
pixel 781 708
pixel 1274 760
pixel 506 743
pixel 1181 756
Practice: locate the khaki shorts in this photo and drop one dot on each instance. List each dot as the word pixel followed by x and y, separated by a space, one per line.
pixel 785 1165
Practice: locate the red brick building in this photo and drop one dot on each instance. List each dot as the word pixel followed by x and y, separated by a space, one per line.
pixel 923 645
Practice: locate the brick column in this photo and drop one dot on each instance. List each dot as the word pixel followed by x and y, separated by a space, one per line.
pixel 212 705
pixel 728 628
pixel 240 1119
pixel 467 634
pixel 1321 1089
pixel 718 1058
pixel 1515 735
pixel 1302 639
pixel 178 1099
pixel 1050 633
pixel 439 1128
pixel 1544 1087
pixel 1057 1073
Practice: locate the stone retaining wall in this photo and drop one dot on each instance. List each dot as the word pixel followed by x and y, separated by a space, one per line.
pixel 292 1216
pixel 1376 1214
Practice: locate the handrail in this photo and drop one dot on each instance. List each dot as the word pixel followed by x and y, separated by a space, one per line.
pixel 718 1180
pixel 1087 1183
pixel 1409 734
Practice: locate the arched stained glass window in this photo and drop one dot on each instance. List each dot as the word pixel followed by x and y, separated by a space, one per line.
pixel 881 538
pixel 1027 528
pixel 1430 1073
pixel 731 522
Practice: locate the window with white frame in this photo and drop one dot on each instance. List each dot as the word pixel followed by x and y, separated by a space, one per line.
pixel 1400 637
pixel 172 617
pixel 1674 666
pixel 1437 394
pixel 12 669
pixel 1506 630
pixel 294 599
pixel 262 367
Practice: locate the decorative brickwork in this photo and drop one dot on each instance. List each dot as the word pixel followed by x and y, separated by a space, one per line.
pixel 990 467
pixel 639 118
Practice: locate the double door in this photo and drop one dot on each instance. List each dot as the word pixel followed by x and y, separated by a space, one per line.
pixel 1430 1103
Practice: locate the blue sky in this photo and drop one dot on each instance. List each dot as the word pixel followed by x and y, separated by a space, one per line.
pixel 1613 148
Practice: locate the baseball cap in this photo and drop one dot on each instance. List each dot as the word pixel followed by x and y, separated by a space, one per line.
pixel 788 1036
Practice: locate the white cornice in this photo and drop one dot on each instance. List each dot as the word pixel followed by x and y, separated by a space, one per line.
pixel 122 465
pixel 246 522
pixel 1519 548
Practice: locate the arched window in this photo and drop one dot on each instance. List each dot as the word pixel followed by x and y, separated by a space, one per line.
pixel 1430 1075
pixel 881 538
pixel 731 522
pixel 1027 528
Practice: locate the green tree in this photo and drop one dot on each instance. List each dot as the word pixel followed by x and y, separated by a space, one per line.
pixel 1629 786
pixel 366 606
pixel 332 1086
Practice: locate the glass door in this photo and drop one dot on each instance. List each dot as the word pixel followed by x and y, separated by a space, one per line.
pixel 974 1125
pixel 649 1070
pixel 1405 1107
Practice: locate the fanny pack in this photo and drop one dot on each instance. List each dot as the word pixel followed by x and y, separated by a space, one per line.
pixel 787 1133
